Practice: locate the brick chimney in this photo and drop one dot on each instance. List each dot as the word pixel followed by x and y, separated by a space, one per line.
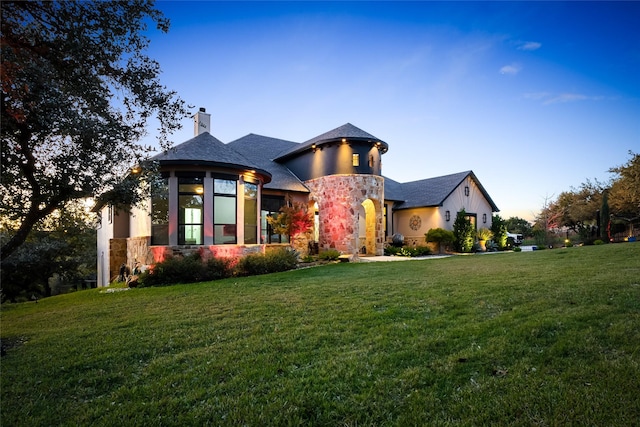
pixel 201 122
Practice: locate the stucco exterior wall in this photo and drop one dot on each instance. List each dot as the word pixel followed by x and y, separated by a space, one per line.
pixel 104 233
pixel 434 217
pixel 140 221
pixel 339 199
pixel 474 203
pixel 429 218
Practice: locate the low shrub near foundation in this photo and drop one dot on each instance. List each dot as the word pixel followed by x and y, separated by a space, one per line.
pixel 329 255
pixel 407 251
pixel 186 270
pixel 192 268
pixel 270 262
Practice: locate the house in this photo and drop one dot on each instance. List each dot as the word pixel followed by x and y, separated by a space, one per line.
pixel 215 198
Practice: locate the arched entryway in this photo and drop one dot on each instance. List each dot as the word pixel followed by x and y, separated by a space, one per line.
pixel 367 228
pixel 343 201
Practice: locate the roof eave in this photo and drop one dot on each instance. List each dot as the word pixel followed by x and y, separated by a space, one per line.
pixel 243 168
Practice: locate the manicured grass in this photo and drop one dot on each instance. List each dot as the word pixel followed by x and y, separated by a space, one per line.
pixel 533 338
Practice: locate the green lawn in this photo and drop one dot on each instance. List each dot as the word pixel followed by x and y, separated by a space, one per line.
pixel 533 338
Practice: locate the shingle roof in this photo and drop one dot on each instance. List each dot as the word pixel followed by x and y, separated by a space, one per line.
pixel 261 150
pixel 205 149
pixel 261 153
pixel 347 131
pixel 393 190
pixel 431 191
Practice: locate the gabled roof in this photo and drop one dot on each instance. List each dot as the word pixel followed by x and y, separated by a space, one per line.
pixel 430 192
pixel 261 150
pixel 347 131
pixel 205 149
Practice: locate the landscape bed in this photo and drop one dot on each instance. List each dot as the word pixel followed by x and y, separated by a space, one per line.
pixel 539 338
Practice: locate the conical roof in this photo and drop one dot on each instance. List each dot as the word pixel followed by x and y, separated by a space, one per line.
pixel 346 131
pixel 207 150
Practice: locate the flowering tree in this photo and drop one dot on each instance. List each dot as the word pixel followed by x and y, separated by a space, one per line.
pixel 293 220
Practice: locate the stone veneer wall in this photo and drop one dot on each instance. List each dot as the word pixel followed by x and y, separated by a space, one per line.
pixel 117 256
pixel 339 199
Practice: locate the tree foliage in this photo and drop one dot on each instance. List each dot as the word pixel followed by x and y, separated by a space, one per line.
pixel 440 236
pixel 62 247
pixel 576 209
pixel 294 219
pixel 463 232
pixel 499 230
pixel 77 94
pixel 518 225
pixel 581 209
pixel 624 196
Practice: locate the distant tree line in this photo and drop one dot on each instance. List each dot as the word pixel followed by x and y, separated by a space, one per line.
pixel 596 210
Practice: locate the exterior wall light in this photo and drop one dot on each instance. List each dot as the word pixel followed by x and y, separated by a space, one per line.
pixel 484 218
pixel 466 191
pixel 447 215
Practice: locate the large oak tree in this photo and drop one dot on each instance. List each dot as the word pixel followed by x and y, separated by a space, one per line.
pixel 624 196
pixel 78 92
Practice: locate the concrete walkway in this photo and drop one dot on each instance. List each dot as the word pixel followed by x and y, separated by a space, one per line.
pixel 399 258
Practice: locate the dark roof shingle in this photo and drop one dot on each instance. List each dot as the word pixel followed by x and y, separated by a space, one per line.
pixel 431 191
pixel 205 149
pixel 261 150
pixel 347 131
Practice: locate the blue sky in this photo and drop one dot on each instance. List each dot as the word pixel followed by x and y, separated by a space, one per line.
pixel 534 97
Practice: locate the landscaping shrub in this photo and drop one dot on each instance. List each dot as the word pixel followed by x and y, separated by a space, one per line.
pixel 219 268
pixel 329 255
pixel 420 251
pixel 499 230
pixel 484 233
pixel 391 250
pixel 189 269
pixel 440 236
pixel 192 268
pixel 271 262
pixel 309 258
pixel 464 232
pixel 175 270
pixel 407 251
pixel 598 242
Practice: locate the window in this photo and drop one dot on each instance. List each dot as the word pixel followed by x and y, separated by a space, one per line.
pixel 224 211
pixel 160 212
pixel 190 210
pixel 356 159
pixel 250 213
pixel 270 207
pixel 384 220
